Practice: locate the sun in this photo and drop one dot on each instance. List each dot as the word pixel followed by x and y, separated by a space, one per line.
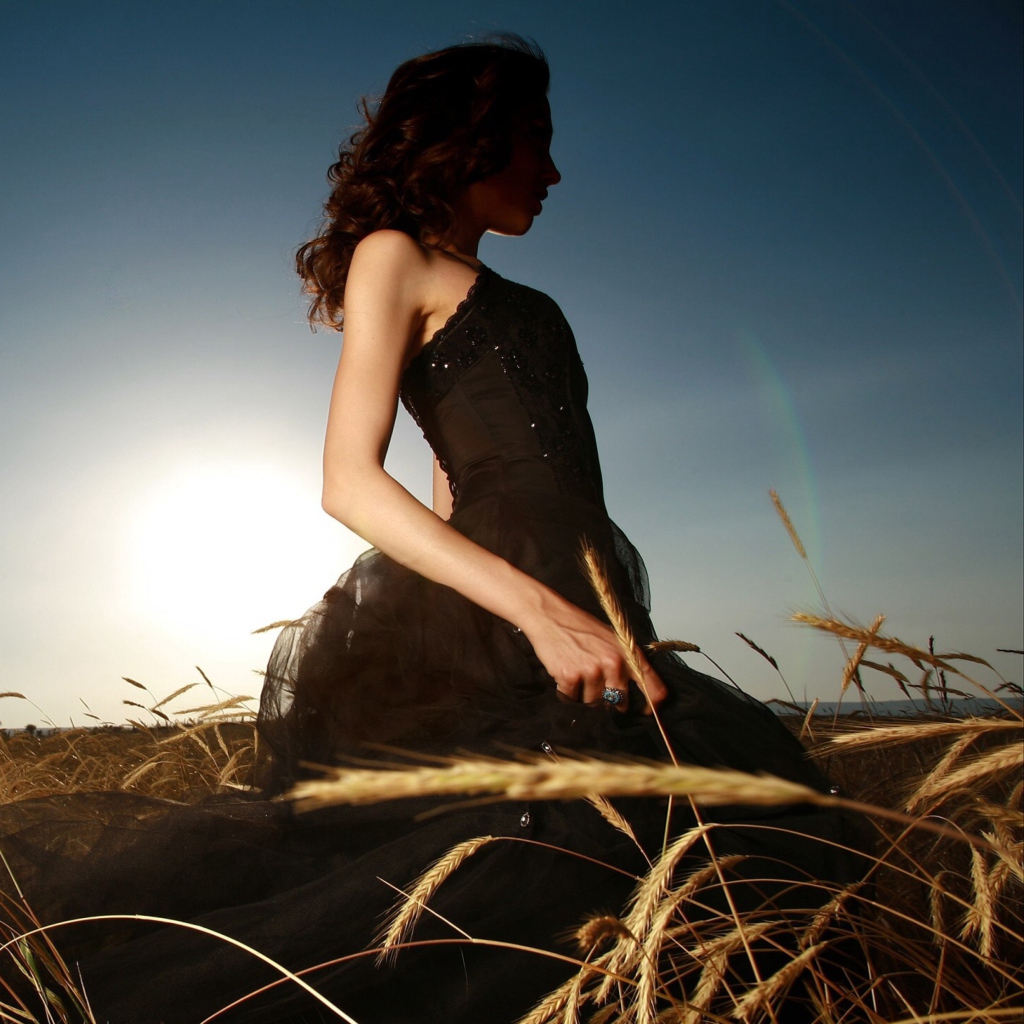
pixel 216 551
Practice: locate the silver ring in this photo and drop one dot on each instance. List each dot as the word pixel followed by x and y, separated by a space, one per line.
pixel 613 696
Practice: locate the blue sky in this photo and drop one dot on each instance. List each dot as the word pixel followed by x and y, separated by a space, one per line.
pixel 787 237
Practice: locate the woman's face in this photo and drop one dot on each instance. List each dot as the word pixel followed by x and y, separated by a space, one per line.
pixel 506 202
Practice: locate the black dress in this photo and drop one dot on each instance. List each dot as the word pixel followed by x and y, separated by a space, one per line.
pixel 389 660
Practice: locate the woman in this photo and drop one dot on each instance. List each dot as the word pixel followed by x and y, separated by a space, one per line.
pixel 440 164
pixel 471 627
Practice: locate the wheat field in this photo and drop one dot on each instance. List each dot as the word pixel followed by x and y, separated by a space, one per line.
pixel 938 917
pixel 934 927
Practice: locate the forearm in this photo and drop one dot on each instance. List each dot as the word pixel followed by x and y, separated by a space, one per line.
pixel 374 505
pixel 580 653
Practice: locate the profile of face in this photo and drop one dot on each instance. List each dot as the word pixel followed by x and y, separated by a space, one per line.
pixel 505 203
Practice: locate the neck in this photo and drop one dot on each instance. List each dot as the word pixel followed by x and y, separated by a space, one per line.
pixel 465 240
pixel 457 246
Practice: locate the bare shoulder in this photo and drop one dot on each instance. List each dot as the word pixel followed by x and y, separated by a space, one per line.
pixel 388 281
pixel 389 256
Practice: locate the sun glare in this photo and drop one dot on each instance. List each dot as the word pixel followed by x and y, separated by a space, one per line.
pixel 218 551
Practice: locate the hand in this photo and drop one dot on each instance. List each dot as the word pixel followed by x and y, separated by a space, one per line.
pixel 584 656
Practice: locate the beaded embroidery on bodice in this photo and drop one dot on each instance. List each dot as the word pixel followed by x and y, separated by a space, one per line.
pixel 506 359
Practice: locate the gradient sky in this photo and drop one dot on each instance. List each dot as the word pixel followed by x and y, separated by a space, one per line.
pixel 787 237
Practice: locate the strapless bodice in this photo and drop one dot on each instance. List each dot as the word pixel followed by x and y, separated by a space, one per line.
pixel 501 396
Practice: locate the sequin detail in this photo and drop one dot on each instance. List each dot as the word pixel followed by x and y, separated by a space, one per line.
pixel 538 356
pixel 541 364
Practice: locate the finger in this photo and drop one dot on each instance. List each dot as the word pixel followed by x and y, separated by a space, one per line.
pixel 593 688
pixel 569 689
pixel 653 689
pixel 608 684
pixel 615 689
pixel 616 697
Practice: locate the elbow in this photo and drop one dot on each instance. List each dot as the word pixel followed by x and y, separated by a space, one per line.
pixel 336 501
pixel 344 494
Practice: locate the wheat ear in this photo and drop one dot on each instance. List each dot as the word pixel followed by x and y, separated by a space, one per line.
pixel 407 913
pixel 757 997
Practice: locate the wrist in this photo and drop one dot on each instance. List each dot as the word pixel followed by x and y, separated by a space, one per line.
pixel 534 605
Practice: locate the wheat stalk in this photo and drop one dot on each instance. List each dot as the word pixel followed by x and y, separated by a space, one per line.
pixel 658 931
pixel 553 1003
pixel 209 709
pixel 754 999
pixel 850 670
pixel 714 958
pixel 994 763
pixel 565 1000
pixel 613 610
pixel 573 1000
pixel 596 930
pixel 674 645
pixel 647 984
pixel 566 780
pixel 805 728
pixel 623 631
pixel 824 917
pixel 408 912
pixel 893 645
pixel 783 515
pixel 279 624
pixel 936 896
pixel 615 818
pixel 609 812
pixel 1000 816
pixel 626 956
pixel 626 953
pixel 980 917
pixel 652 888
pixel 892 734
pixel 1011 859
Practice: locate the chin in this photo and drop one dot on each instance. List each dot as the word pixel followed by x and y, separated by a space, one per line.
pixel 513 230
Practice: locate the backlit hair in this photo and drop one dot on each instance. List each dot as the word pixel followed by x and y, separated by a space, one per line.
pixel 445 121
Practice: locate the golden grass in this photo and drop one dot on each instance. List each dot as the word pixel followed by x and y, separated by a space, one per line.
pixel 406 914
pixel 936 921
pixel 613 610
pixel 569 779
pixel 938 916
pixel 173 762
pixel 780 511
pixel 183 754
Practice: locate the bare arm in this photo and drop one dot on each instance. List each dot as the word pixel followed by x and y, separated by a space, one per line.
pixel 387 291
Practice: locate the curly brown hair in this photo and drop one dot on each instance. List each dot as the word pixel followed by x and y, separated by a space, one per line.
pixel 445 121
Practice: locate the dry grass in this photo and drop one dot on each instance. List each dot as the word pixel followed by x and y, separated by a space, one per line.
pixel 939 917
pixel 405 916
pixel 936 919
pixel 569 779
pixel 932 932
pixel 173 762
pixel 182 754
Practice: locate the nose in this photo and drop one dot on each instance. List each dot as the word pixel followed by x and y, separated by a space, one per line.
pixel 551 175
